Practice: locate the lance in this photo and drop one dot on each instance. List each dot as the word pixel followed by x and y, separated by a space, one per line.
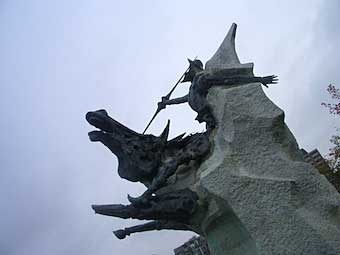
pixel 167 97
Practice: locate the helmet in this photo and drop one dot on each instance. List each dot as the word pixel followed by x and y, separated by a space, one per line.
pixel 197 63
pixel 189 75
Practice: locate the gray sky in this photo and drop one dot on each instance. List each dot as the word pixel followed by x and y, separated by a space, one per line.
pixel 60 59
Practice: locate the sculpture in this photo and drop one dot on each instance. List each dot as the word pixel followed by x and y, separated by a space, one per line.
pixel 202 80
pixel 152 160
pixel 242 184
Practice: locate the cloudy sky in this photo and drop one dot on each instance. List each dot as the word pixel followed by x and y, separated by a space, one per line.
pixel 60 59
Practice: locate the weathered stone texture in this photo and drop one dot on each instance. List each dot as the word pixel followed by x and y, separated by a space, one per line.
pixel 274 201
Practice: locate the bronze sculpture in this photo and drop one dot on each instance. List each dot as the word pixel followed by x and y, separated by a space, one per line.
pixel 154 160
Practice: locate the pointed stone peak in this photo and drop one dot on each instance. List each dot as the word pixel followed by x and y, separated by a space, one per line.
pixel 225 56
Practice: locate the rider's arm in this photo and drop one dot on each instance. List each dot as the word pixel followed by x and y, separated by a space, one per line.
pixel 178 100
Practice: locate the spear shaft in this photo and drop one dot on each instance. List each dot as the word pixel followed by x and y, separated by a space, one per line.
pixel 167 97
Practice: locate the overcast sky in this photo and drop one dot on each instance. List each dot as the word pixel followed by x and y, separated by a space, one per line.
pixel 60 59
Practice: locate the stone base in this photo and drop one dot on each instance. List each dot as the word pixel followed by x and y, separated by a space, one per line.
pixel 263 198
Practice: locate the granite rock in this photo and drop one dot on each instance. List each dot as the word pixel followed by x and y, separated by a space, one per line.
pixel 262 197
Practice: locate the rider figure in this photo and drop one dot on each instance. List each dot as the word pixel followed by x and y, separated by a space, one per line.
pixel 201 80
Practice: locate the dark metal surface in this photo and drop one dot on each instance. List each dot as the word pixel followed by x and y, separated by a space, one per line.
pixel 152 160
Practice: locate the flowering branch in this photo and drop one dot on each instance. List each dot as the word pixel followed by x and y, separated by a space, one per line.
pixel 335 94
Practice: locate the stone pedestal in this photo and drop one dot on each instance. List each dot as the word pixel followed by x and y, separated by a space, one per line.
pixel 263 198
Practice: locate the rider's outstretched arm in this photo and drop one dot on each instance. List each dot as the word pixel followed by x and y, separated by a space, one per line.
pixel 216 80
pixel 228 77
pixel 178 100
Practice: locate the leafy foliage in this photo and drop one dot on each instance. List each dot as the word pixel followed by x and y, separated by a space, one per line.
pixel 333 157
pixel 335 94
